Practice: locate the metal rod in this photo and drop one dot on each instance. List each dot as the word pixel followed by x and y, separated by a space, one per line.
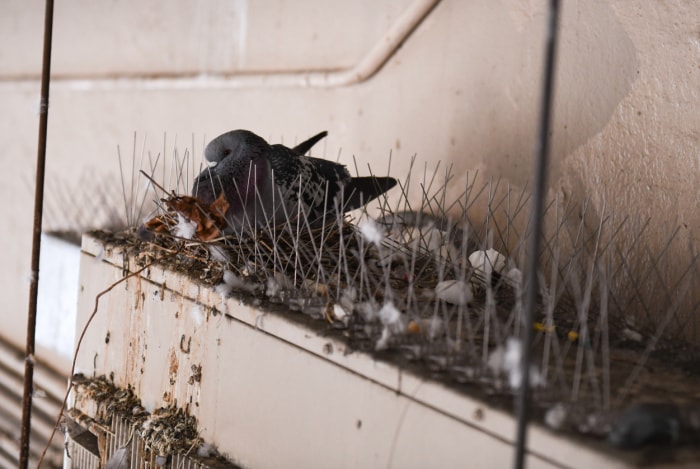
pixel 36 239
pixel 541 167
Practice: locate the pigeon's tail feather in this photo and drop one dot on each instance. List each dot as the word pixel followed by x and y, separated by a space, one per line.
pixel 361 190
pixel 304 147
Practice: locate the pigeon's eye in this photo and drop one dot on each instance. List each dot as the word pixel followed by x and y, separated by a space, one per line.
pixel 227 152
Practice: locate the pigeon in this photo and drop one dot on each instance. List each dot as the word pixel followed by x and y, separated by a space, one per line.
pixel 268 185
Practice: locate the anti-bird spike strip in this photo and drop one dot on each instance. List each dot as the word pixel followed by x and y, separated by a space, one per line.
pixel 438 279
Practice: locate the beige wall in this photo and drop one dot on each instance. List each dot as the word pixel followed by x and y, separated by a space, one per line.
pixel 463 89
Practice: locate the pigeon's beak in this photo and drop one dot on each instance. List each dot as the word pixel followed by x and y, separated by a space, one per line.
pixel 211 164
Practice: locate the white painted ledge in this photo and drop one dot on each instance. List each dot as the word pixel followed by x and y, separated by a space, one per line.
pixel 275 393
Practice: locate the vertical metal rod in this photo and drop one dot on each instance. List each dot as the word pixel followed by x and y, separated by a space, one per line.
pixel 541 166
pixel 36 239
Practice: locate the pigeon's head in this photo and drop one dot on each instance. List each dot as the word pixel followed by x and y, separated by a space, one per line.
pixel 236 144
pixel 238 167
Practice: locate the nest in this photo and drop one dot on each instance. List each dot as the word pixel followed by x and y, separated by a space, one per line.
pixel 408 284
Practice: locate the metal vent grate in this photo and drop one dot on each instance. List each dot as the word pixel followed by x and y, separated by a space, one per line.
pixel 120 444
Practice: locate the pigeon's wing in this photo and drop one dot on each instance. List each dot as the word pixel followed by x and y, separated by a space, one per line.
pixel 285 164
pixel 329 170
pixel 324 180
pixel 304 179
pixel 360 190
pixel 317 182
pixel 304 147
pixel 356 191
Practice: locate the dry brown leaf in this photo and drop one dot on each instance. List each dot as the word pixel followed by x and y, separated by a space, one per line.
pixel 209 219
pixel 156 225
pixel 218 210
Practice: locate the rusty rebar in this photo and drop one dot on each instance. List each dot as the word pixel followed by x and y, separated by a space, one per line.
pixel 36 239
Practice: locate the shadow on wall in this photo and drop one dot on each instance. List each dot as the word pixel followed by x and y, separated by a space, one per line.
pixel 596 67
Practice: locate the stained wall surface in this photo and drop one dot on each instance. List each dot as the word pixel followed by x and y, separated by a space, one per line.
pixel 462 88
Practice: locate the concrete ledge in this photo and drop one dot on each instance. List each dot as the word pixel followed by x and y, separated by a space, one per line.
pixel 269 390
